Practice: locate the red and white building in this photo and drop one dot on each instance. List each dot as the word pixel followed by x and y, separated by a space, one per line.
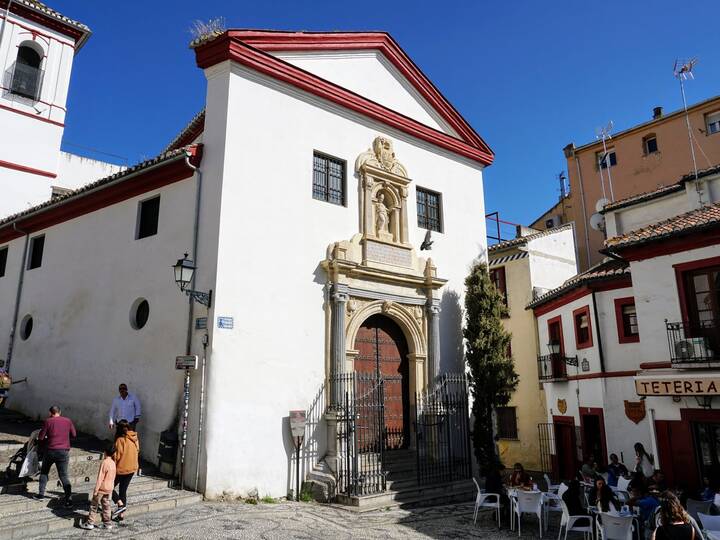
pixel 633 344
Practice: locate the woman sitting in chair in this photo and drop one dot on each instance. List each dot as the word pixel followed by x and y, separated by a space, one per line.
pixel 603 497
pixel 519 478
pixel 674 521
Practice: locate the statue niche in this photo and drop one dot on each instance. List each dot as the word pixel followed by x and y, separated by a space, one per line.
pixel 383 213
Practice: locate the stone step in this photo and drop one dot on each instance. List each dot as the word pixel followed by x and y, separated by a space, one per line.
pixel 33 523
pixel 21 502
pixel 417 495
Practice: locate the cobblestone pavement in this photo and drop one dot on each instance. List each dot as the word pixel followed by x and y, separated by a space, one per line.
pixel 286 520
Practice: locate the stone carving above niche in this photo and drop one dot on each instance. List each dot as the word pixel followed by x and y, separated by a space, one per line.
pixel 383 198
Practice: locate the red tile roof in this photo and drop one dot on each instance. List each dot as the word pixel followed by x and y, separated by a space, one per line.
pixel 690 222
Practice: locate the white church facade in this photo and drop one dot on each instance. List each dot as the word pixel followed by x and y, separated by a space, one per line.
pixel 302 194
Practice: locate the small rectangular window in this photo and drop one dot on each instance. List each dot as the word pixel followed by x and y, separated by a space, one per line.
pixel 148 213
pixel 651 145
pixel 712 122
pixel 626 320
pixel 605 160
pixel 37 245
pixel 429 209
pixel 583 332
pixel 497 276
pixel 328 179
pixel 506 422
pixel 3 260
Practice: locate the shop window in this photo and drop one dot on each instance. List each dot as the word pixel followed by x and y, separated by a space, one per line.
pixel 37 246
pixel 497 276
pixel 506 422
pixel 626 320
pixel 429 209
pixel 583 329
pixel 328 179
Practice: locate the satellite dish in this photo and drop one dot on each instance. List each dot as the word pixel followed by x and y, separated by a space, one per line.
pixel 601 204
pixel 597 222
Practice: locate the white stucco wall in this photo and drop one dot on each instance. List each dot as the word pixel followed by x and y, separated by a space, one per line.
pixel 369 74
pixel 552 259
pixel 273 236
pixel 75 171
pixel 82 345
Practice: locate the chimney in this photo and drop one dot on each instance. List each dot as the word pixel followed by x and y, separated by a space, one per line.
pixel 569 150
pixel 657 113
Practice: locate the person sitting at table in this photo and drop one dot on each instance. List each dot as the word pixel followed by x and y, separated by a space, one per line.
pixel 493 478
pixel 571 498
pixel 674 520
pixel 603 497
pixel 658 480
pixel 615 470
pixel 645 502
pixel 519 478
pixel 589 471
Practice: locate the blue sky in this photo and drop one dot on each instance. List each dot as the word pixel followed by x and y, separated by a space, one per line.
pixel 529 76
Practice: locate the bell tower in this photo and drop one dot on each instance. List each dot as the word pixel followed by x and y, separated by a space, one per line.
pixel 37 48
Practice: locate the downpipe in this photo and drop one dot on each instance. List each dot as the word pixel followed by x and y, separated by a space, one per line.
pixel 18 296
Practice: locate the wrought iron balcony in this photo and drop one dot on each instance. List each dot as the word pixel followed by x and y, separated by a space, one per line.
pixel 553 367
pixel 694 342
pixel 23 80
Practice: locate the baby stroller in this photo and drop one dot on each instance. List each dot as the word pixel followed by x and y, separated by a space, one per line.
pixel 25 462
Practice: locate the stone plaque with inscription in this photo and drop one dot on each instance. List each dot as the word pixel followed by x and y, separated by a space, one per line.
pixel 387 254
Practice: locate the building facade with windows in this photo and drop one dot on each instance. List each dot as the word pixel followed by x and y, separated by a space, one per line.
pixel 521 269
pixel 638 160
pixel 37 49
pixel 302 194
pixel 633 340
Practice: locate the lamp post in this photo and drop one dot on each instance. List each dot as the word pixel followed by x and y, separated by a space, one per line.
pixel 554 347
pixel 184 270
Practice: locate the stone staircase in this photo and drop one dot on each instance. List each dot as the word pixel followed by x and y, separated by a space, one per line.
pixel 23 517
pixel 403 489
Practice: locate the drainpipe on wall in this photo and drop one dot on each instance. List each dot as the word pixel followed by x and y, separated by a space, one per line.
pixel 18 294
pixel 601 355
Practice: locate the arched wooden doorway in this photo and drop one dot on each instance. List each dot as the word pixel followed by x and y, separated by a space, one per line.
pixel 383 355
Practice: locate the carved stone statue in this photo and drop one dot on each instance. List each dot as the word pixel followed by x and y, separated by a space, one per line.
pixel 382 156
pixel 382 219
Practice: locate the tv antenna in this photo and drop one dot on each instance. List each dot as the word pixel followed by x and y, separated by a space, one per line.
pixel 683 70
pixel 603 133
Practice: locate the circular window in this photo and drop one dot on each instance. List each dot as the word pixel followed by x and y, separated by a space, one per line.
pixel 139 313
pixel 26 327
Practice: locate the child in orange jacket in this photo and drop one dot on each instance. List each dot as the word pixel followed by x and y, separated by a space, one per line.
pixel 103 488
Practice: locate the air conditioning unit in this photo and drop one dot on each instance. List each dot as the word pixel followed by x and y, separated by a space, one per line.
pixel 692 348
pixel 553 221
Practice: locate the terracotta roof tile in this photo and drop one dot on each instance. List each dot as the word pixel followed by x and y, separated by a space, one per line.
pixel 506 244
pixel 40 6
pixel 189 133
pixel 609 269
pixel 689 222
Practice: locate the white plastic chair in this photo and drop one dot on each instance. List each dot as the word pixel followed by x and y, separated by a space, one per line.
pixel 695 508
pixel 551 503
pixel 552 488
pixel 623 483
pixel 568 521
pixel 622 496
pixel 708 522
pixel 614 527
pixel 486 500
pixel 562 489
pixel 529 503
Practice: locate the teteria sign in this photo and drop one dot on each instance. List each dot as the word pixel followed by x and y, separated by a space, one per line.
pixel 686 386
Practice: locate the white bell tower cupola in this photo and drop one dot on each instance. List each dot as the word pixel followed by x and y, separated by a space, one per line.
pixel 37 48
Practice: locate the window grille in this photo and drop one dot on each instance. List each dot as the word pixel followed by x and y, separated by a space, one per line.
pixel 506 422
pixel 328 179
pixel 429 210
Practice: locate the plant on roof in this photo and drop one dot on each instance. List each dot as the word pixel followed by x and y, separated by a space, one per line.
pixel 493 378
pixel 205 30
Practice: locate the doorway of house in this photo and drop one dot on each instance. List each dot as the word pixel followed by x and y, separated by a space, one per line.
pixel 592 423
pixel 707 448
pixel 383 355
pixel 565 448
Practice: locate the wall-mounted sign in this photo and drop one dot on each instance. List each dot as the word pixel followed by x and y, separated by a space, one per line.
pixel 585 364
pixel 201 323
pixel 677 386
pixel 635 410
pixel 186 362
pixel 298 420
pixel 226 323
pixel 562 406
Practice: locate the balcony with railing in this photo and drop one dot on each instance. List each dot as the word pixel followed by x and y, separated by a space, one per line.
pixel 553 367
pixel 24 81
pixel 694 344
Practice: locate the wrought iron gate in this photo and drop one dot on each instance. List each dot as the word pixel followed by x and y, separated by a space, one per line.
pixel 363 433
pixel 442 435
pixel 549 451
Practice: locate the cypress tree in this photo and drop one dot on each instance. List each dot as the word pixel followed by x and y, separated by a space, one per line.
pixel 492 371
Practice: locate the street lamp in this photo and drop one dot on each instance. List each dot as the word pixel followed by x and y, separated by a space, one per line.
pixel 554 347
pixel 184 271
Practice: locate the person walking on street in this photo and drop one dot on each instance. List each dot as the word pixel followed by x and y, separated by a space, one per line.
pixel 126 406
pixel 127 452
pixel 101 494
pixel 56 432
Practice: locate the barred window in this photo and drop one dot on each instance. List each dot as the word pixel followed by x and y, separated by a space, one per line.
pixel 506 423
pixel 328 179
pixel 429 210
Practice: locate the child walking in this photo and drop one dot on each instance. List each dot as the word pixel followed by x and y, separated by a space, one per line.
pixel 103 488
